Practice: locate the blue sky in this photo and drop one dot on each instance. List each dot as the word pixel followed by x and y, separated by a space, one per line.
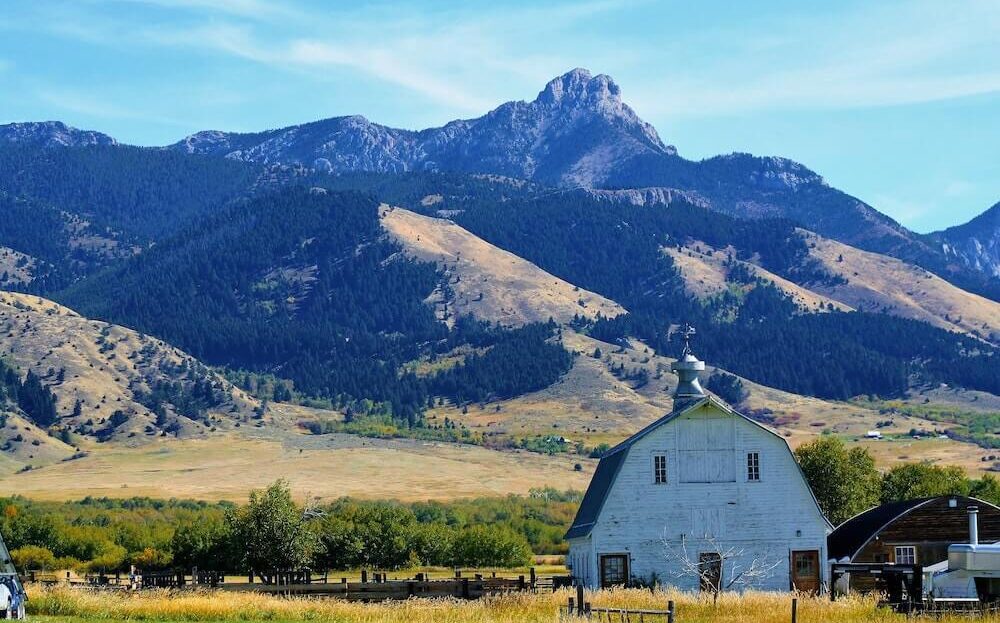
pixel 897 103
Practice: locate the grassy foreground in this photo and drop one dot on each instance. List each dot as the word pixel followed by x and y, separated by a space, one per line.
pixel 61 604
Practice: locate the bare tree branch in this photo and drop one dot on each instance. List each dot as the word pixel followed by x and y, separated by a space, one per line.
pixel 717 566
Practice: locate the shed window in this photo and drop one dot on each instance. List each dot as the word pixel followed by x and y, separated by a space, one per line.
pixel 660 469
pixel 906 555
pixel 753 466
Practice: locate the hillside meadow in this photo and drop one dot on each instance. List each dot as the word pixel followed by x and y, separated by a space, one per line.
pixel 57 605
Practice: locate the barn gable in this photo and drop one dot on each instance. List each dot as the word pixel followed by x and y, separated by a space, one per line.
pixel 704 450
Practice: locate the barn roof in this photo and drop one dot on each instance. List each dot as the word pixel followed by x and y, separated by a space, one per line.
pixel 852 535
pixel 611 462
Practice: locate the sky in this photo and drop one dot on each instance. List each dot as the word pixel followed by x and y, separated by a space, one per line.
pixel 896 103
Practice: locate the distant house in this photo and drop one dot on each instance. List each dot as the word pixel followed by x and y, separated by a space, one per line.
pixel 913 532
pixel 696 499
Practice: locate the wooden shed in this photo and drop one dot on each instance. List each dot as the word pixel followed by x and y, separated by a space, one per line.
pixel 914 532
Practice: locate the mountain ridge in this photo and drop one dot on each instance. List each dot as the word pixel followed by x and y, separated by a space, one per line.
pixel 976 243
pixel 578 132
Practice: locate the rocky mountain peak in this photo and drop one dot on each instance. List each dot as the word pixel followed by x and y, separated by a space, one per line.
pixel 580 86
pixel 52 134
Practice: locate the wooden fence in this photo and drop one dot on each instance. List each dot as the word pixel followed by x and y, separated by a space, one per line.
pixel 375 586
pixel 577 608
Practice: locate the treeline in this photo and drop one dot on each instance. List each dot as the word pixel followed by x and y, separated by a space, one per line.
pixel 846 482
pixel 272 531
pixel 32 396
pixel 519 361
pixel 305 283
pixel 132 193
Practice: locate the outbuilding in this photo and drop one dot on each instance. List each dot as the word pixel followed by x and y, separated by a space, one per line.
pixel 702 498
pixel 910 532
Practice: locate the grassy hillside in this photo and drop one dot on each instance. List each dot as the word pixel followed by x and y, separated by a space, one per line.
pixel 487 282
pixel 96 369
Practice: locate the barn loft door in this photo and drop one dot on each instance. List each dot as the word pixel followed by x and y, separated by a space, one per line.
pixel 707 450
pixel 805 570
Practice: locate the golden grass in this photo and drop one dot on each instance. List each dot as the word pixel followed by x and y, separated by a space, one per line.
pixel 59 604
pixel 227 466
pixel 494 284
pixel 878 282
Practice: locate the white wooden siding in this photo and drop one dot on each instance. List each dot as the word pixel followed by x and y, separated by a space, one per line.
pixel 707 449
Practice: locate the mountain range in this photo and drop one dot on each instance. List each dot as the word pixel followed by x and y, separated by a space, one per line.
pixel 533 261
pixel 578 133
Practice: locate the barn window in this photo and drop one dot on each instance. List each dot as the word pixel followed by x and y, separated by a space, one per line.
pixel 660 469
pixel 753 466
pixel 906 555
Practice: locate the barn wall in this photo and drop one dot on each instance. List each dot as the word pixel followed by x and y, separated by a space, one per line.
pixel 648 521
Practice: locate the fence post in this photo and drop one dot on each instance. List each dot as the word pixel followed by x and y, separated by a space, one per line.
pixel 364 576
pixel 670 611
pixel 531 575
pixel 579 599
pixel 569 607
pixel 795 609
pixel 465 588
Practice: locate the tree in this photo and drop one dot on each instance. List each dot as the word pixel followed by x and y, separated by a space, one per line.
pixel 844 481
pixel 718 567
pixel 986 489
pixel 727 387
pixel 203 543
pixel 32 557
pixel 923 480
pixel 491 546
pixel 270 531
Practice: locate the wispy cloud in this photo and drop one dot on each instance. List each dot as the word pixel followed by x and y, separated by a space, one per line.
pixel 98 107
pixel 461 58
pixel 879 55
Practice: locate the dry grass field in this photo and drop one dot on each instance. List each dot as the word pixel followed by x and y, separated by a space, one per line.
pixel 329 466
pixel 57 605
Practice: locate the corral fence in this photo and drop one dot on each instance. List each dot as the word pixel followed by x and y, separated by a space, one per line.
pixel 577 608
pixel 373 586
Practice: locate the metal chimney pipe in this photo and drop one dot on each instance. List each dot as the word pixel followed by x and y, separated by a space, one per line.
pixel 973 525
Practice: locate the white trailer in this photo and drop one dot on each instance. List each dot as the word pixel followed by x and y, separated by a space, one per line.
pixel 12 595
pixel 971 573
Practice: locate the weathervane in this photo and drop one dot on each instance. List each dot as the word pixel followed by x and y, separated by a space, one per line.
pixel 687 333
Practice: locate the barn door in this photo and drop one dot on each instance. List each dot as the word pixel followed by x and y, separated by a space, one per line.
pixel 614 570
pixel 710 572
pixel 805 570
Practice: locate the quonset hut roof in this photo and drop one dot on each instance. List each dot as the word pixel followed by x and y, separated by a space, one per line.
pixel 852 535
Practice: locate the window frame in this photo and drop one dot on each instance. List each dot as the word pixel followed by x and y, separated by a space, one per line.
pixel 654 457
pixel 911 550
pixel 752 469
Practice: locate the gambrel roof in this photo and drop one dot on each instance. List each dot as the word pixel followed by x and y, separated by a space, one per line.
pixel 610 464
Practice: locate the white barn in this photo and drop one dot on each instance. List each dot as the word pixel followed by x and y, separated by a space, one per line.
pixel 703 496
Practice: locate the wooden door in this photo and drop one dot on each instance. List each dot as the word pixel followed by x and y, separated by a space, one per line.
pixel 710 572
pixel 614 570
pixel 805 570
